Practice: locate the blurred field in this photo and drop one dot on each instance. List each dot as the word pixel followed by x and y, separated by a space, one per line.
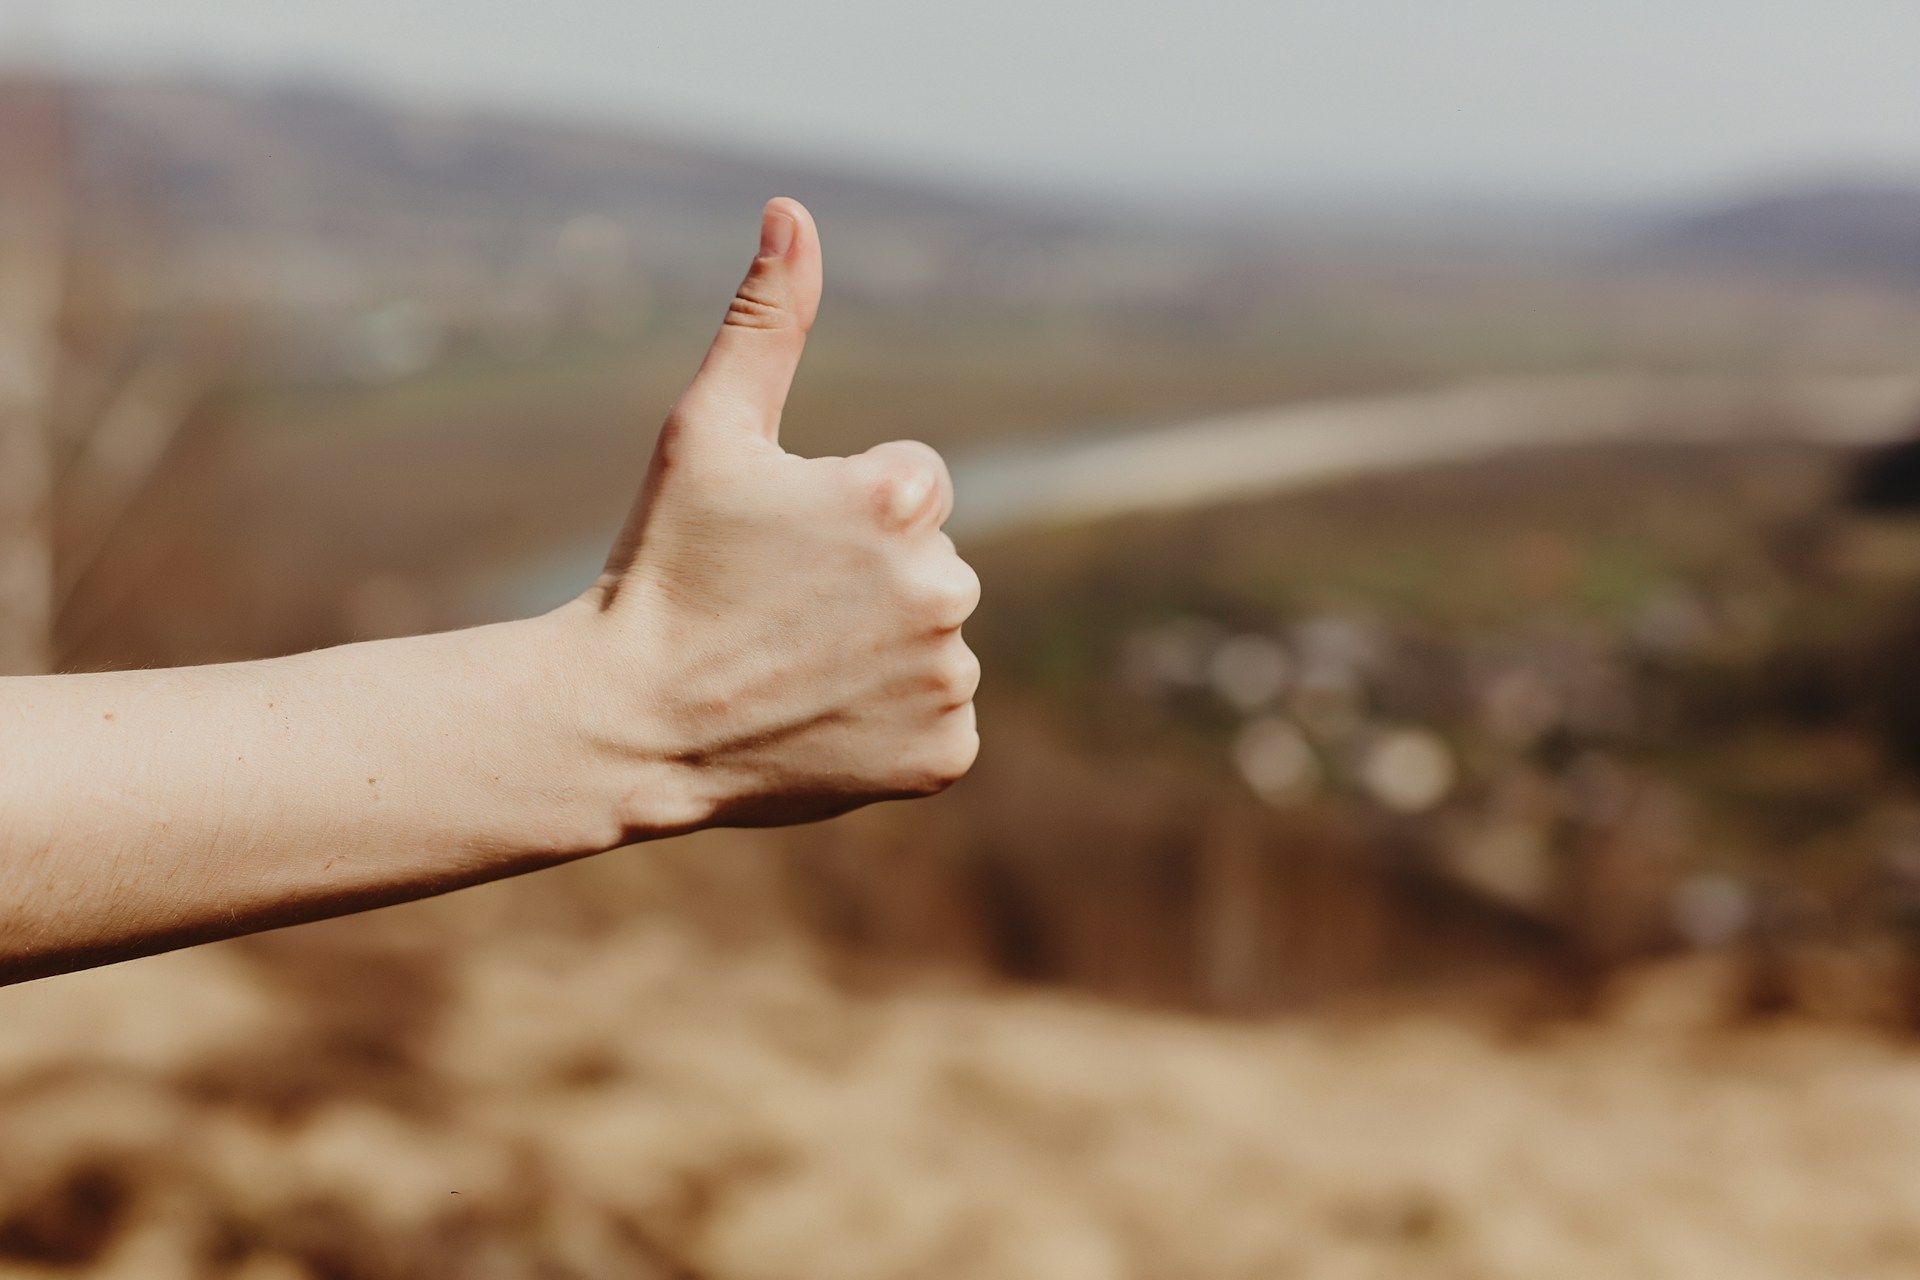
pixel 469 1093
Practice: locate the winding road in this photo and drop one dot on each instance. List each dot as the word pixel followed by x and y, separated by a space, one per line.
pixel 1094 475
pixel 1293 446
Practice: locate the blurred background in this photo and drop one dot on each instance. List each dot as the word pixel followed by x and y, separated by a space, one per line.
pixel 1445 480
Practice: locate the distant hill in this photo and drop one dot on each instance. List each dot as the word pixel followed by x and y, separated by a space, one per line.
pixel 316 195
pixel 1868 231
pixel 316 156
pixel 364 236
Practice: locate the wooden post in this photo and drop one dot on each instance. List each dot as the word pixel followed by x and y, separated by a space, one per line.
pixel 34 217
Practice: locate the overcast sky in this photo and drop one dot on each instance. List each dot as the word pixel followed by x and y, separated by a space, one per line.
pixel 1628 99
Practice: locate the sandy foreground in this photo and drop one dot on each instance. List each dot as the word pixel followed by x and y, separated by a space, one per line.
pixel 645 1100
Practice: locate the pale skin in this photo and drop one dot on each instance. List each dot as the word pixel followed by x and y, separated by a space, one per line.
pixel 775 639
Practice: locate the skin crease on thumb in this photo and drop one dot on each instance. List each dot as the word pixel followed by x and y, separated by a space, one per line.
pixel 747 371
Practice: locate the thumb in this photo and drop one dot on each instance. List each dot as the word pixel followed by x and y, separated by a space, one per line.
pixel 742 384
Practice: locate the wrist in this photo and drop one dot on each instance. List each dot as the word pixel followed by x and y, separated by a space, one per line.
pixel 624 774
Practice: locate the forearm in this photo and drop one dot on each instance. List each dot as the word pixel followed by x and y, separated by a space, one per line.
pixel 148 809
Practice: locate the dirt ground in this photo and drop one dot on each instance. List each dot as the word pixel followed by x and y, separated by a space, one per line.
pixel 493 1087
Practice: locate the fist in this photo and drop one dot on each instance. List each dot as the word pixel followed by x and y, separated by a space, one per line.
pixel 782 633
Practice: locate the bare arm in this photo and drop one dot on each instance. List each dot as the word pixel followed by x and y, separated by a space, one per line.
pixel 775 639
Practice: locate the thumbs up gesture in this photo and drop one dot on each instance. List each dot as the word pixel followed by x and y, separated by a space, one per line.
pixel 780 635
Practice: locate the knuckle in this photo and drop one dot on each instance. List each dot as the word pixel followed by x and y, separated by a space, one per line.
pixel 678 443
pixel 905 479
pixel 750 313
pixel 961 595
pixel 898 496
pixel 760 304
pixel 947 758
pixel 957 678
pixel 949 599
pixel 919 455
pixel 939 602
pixel 958 754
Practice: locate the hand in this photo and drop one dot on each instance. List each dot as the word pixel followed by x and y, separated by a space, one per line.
pixel 782 632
